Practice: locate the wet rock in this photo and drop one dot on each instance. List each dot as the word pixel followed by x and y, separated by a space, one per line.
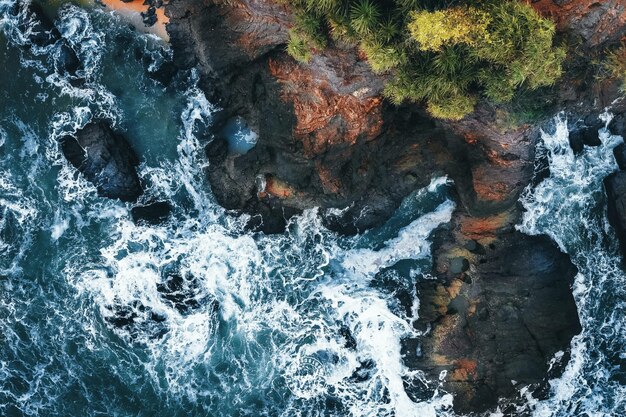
pixel 42 32
pixel 106 159
pixel 165 74
pixel 620 155
pixel 502 325
pixel 585 135
pixel 153 213
pixel 66 61
pixel 149 19
pixel 458 265
pixel 615 186
pixel 137 320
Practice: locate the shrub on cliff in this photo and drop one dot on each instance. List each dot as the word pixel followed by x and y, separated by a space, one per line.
pixel 615 64
pixel 298 47
pixel 445 56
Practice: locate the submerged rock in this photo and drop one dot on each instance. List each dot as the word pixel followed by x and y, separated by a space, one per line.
pixel 40 31
pixel 33 22
pixel 106 159
pixel 153 213
pixel 137 321
pixel 66 62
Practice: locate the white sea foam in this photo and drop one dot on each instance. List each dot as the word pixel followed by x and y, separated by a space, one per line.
pixel 568 206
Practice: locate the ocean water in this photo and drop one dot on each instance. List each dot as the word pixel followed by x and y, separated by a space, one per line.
pixel 199 317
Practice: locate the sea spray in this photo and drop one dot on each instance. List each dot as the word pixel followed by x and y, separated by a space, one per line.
pixel 570 207
pixel 197 315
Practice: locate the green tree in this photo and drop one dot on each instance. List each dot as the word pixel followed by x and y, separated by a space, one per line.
pixel 441 55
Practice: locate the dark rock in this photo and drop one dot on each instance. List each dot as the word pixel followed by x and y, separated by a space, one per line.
pixel 106 159
pixel 149 20
pixel 34 22
pixel 620 155
pixel 165 74
pixel 40 31
pixel 505 324
pixel 153 213
pixel 585 135
pixel 137 320
pixel 471 245
pixel 458 265
pixel 66 61
pixel 615 186
pixel 217 149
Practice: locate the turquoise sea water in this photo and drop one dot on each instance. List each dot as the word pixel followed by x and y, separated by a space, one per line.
pixel 198 317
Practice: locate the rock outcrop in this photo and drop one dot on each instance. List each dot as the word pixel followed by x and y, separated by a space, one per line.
pixel 106 159
pixel 327 138
pixel 615 186
pixel 494 324
pixel 501 305
pixel 41 32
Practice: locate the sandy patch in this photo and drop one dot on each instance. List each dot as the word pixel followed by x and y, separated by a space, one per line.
pixel 132 13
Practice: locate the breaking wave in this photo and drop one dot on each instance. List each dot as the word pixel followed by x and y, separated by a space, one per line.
pixel 570 207
pixel 196 316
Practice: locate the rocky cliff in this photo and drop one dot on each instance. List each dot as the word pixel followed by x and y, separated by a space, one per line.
pixel 502 305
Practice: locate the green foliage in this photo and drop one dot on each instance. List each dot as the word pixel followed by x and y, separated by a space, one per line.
pixel 453 26
pixel 382 57
pixel 298 47
pixel 615 65
pixel 364 16
pixel 520 41
pixel 323 6
pixel 311 29
pixel 453 107
pixel 443 53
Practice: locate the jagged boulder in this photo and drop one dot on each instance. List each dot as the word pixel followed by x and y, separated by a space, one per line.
pixel 106 159
pixel 495 325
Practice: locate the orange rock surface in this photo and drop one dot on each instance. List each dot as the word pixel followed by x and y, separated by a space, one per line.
pixel 325 117
pixel 132 11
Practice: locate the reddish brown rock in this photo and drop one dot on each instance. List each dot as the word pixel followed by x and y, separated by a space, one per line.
pixel 496 326
pixel 327 139
pixel 597 22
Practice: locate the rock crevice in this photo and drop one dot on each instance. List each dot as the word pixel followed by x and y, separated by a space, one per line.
pixel 328 139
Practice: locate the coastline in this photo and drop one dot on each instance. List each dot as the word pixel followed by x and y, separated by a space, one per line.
pixel 131 11
pixel 327 137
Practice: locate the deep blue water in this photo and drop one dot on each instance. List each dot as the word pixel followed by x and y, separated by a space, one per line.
pixel 258 324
